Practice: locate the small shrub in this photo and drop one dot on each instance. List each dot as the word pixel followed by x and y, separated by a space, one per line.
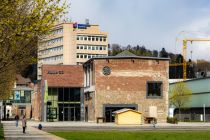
pixel 172 120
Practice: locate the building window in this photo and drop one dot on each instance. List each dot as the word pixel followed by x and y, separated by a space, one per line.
pixel 89 47
pixel 96 38
pixel 85 38
pixel 93 38
pixel 104 39
pixel 154 89
pixel 89 38
pixel 100 38
pixel 81 47
pixel 85 55
pixel 81 37
pixel 100 47
pixel 104 47
pixel 85 47
pixel 77 47
pixel 81 56
pixel 77 37
pixel 77 55
pixel 93 47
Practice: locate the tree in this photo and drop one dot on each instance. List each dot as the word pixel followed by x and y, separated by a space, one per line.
pixel 155 53
pixel 163 53
pixel 115 49
pixel 7 83
pixel 30 71
pixel 180 95
pixel 22 22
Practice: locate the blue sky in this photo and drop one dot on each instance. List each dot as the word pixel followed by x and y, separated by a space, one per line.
pixel 153 23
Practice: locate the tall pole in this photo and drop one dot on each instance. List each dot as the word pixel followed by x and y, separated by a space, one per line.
pixel 204 113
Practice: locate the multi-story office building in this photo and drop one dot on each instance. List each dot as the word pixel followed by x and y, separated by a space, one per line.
pixel 72 44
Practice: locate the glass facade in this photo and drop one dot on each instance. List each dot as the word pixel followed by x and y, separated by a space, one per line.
pixel 64 104
pixel 21 96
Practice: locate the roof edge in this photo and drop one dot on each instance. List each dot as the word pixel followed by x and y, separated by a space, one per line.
pixel 128 57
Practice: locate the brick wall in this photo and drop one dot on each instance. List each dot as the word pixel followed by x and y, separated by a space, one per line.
pixel 127 85
pixel 36 102
pixel 63 75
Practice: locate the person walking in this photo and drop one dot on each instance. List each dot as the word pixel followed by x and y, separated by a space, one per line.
pixel 7 114
pixel 16 120
pixel 24 124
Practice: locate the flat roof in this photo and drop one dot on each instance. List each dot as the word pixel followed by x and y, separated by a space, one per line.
pixel 128 57
pixel 23 88
pixel 191 80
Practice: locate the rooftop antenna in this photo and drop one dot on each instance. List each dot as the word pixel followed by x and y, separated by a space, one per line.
pixel 87 21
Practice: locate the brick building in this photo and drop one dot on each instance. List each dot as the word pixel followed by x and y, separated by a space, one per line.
pixel 65 93
pixel 113 83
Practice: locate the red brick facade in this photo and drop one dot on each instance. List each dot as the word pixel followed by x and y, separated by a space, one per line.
pixel 63 75
pixel 56 76
pixel 127 84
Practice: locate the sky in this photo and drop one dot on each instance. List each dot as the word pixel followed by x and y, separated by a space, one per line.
pixel 152 23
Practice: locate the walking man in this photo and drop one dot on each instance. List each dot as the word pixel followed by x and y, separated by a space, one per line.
pixel 24 124
pixel 16 120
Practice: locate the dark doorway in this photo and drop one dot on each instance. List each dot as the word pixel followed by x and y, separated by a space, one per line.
pixel 86 113
pixel 109 109
pixel 69 112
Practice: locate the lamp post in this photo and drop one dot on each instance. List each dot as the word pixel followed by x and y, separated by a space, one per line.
pixel 204 113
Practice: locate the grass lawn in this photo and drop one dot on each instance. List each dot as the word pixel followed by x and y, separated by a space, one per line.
pixel 1 132
pixel 123 135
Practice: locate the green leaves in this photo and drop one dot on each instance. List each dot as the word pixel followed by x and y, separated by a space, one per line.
pixel 180 94
pixel 21 23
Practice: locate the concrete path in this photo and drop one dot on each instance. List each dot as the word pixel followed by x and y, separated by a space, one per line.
pixel 11 132
pixel 86 126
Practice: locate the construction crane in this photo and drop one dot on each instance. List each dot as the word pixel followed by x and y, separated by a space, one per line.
pixel 184 52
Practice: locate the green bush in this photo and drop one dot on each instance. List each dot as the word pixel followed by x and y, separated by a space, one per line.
pixel 1 132
pixel 173 120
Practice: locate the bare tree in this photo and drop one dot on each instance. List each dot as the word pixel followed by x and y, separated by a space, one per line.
pixel 180 95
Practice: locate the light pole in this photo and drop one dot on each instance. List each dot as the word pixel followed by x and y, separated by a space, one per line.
pixel 204 113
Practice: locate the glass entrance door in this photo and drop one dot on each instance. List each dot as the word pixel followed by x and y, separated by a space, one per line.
pixel 69 114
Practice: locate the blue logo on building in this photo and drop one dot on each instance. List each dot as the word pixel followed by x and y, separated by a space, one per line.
pixel 80 26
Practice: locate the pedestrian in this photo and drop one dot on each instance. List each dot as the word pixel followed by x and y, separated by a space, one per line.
pixel 24 124
pixel 16 120
pixel 7 114
pixel 154 122
pixel 40 126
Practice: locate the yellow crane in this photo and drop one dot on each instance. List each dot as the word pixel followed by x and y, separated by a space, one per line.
pixel 184 52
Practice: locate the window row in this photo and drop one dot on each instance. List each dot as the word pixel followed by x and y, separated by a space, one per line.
pixel 87 47
pixel 53 58
pixel 57 31
pixel 64 94
pixel 85 56
pixel 91 38
pixel 21 96
pixel 51 42
pixel 52 50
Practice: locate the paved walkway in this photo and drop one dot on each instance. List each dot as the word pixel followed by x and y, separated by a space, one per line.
pixel 11 132
pixel 71 126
